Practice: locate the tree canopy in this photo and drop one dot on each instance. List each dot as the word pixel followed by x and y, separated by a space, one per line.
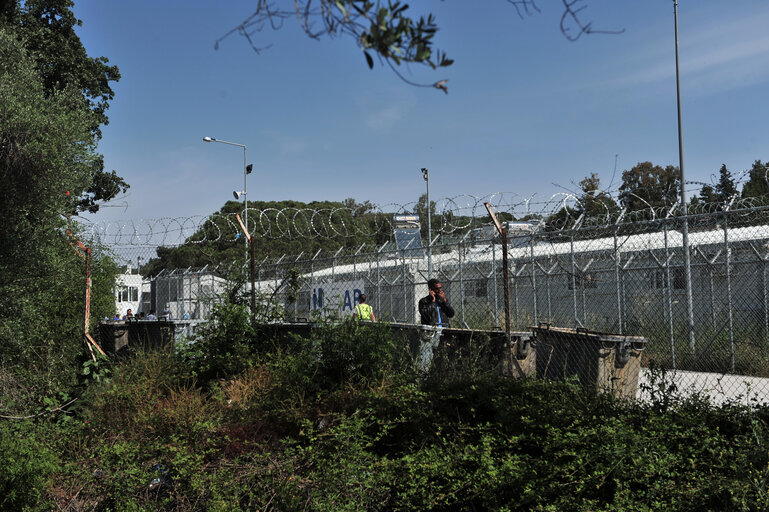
pixel 758 181
pixel 647 186
pixel 45 30
pixel 281 228
pixel 51 105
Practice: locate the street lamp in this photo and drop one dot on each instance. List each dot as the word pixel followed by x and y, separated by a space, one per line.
pixel 246 171
pixel 685 230
pixel 426 176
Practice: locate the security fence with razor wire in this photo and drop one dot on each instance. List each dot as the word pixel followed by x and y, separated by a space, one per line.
pixel 614 274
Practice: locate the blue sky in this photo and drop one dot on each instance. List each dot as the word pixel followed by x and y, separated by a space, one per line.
pixel 527 112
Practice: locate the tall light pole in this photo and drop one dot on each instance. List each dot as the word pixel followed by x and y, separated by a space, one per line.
pixel 246 172
pixel 685 230
pixel 426 176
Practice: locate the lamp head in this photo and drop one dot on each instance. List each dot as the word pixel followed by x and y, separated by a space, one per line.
pixel 209 139
pixel 425 173
pixel 238 194
pixel 249 168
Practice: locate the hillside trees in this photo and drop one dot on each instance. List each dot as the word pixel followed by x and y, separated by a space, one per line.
pixel 725 188
pixel 49 169
pixel 281 228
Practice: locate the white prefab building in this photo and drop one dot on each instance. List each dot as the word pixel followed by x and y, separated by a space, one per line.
pixel 627 283
pixel 176 295
pixel 128 292
pixel 186 295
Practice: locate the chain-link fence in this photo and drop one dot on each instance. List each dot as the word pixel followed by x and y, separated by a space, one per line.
pixel 621 277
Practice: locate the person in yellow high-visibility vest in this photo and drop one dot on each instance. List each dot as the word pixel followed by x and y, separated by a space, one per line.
pixel 363 311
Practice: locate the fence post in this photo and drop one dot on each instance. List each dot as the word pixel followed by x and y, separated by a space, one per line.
pixel 766 299
pixel 548 279
pixel 403 283
pixel 461 282
pixel 617 281
pixel 494 274
pixel 669 296
pixel 712 297
pixel 577 323
pixel 729 287
pixel 379 281
pixel 533 280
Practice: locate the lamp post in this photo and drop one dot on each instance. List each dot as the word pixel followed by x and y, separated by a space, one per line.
pixel 685 230
pixel 426 176
pixel 246 171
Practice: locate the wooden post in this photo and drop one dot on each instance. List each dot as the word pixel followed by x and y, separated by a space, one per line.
pixel 85 252
pixel 505 268
pixel 252 264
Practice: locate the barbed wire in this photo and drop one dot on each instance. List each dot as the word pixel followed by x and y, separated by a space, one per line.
pixel 451 215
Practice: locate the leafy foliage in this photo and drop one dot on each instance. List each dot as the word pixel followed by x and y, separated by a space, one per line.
pixel 28 464
pixel 47 159
pixel 56 56
pixel 337 419
pixel 758 183
pixel 648 185
pixel 386 30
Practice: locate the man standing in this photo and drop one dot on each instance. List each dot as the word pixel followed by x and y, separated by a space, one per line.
pixel 435 309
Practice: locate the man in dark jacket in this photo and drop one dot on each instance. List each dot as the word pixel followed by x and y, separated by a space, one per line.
pixel 435 309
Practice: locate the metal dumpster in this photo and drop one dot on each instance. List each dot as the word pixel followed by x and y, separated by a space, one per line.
pixel 425 343
pixel 490 348
pixel 118 335
pixel 608 362
pixel 113 335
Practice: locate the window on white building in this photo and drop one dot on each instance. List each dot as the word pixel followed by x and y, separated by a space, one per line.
pixel 128 294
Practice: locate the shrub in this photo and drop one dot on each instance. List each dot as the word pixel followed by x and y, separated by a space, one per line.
pixel 27 467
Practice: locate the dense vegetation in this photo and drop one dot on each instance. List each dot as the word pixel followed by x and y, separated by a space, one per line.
pixel 246 419
pixel 53 100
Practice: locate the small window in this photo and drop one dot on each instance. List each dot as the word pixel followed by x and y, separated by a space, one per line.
pixel 658 278
pixel 679 278
pixel 128 294
pixel 481 288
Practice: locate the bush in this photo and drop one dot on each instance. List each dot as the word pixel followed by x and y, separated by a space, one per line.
pixel 27 467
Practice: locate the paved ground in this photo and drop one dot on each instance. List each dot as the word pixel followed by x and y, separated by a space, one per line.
pixel 719 387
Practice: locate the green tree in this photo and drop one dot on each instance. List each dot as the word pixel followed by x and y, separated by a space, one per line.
pixel 758 181
pixel 46 29
pixel 47 160
pixel 594 202
pixel 648 185
pixel 725 188
pixel 707 195
pixel 281 228
pixel 420 209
